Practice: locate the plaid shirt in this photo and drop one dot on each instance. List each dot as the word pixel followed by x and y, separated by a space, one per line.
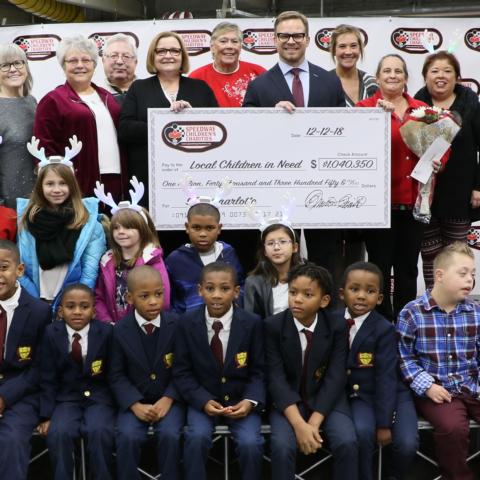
pixel 439 347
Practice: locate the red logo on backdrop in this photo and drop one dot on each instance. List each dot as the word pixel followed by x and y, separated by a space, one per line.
pixel 470 83
pixel 38 47
pixel 323 38
pixel 472 39
pixel 194 136
pixel 101 39
pixel 259 40
pixel 196 41
pixel 411 39
pixel 473 237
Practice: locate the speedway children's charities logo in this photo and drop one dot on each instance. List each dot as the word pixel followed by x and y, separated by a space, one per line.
pixel 259 40
pixel 323 38
pixel 194 136
pixel 101 38
pixel 38 47
pixel 470 83
pixel 472 39
pixel 413 40
pixel 196 41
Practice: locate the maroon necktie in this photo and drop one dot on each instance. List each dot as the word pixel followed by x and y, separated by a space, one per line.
pixel 77 348
pixel 297 88
pixel 350 324
pixel 216 343
pixel 149 328
pixel 3 332
pixel 303 382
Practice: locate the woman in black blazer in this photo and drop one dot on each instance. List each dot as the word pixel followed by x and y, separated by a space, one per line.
pixel 167 60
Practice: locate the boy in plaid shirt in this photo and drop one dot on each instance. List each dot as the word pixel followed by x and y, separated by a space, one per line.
pixel 439 347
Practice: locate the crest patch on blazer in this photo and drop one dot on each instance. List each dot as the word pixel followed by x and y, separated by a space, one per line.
pixel 24 353
pixel 319 372
pixel 97 367
pixel 168 360
pixel 365 359
pixel 241 359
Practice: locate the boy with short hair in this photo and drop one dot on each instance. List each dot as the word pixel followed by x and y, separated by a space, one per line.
pixel 382 408
pixel 22 323
pixel 141 378
pixel 219 371
pixel 438 341
pixel 75 396
pixel 306 352
pixel 185 264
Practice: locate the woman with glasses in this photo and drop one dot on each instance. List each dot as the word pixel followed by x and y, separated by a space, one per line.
pixel 16 125
pixel 167 61
pixel 81 108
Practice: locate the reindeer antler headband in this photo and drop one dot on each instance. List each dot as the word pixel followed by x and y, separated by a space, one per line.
pixel 136 195
pixel 193 199
pixel 287 209
pixel 32 147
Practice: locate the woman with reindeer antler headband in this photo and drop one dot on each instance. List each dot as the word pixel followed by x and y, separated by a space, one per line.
pixel 60 238
pixel 81 108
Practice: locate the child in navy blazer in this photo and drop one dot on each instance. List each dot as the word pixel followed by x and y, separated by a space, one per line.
pixel 382 407
pixel 219 371
pixel 75 396
pixel 306 350
pixel 22 323
pixel 141 378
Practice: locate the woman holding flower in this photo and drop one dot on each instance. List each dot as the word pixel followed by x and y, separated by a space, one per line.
pixel 399 245
pixel 457 190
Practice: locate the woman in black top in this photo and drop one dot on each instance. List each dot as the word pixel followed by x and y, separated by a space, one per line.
pixel 457 192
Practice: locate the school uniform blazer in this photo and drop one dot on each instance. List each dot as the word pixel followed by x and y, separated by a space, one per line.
pixel 196 372
pixel 61 379
pixel 325 385
pixel 132 377
pixel 271 87
pixel 372 368
pixel 258 296
pixel 20 368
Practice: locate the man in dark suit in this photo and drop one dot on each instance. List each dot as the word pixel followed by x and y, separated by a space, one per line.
pixel 295 82
pixel 306 350
pixel 22 322
pixel 219 371
pixel 141 378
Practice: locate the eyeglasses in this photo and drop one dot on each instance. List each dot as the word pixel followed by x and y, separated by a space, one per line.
pixel 17 64
pixel 82 61
pixel 297 37
pixel 281 243
pixel 174 52
pixel 126 57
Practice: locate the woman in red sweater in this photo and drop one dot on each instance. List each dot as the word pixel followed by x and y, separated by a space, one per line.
pixel 399 245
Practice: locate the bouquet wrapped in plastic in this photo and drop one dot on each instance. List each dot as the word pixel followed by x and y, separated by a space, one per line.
pixel 423 127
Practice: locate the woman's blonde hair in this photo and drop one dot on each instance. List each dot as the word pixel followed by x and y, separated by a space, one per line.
pixel 184 66
pixel 9 52
pixel 342 30
pixel 38 201
pixel 129 218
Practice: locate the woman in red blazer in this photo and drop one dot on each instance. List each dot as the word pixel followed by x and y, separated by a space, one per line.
pixel 399 245
pixel 81 108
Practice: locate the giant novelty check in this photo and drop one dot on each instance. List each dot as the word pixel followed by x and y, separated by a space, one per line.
pixel 334 162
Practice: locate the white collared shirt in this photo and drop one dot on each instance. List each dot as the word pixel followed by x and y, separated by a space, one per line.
pixel 212 255
pixel 9 305
pixel 356 327
pixel 303 338
pixel 224 333
pixel 304 77
pixel 141 321
pixel 83 340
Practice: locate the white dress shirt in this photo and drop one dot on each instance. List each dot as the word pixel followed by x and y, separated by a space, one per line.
pixel 83 340
pixel 356 326
pixel 224 333
pixel 9 305
pixel 141 321
pixel 304 77
pixel 303 338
